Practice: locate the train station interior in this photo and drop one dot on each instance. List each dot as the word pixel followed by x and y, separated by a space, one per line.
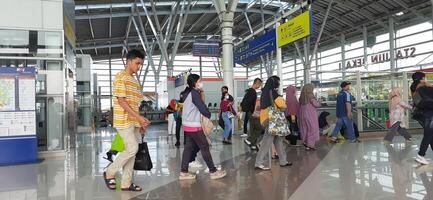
pixel 61 92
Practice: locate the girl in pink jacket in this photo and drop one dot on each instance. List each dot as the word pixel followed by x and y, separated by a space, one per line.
pixel 397 110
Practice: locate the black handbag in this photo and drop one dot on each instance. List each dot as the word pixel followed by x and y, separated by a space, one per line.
pixel 142 158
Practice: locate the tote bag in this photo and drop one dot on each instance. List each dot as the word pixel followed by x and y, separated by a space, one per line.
pixel 277 121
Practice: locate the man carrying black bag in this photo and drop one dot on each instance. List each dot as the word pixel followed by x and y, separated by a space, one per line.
pixel 127 94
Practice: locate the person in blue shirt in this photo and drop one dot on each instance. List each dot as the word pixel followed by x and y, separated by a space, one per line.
pixel 344 114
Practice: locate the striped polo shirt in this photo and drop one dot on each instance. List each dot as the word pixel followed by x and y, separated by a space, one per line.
pixel 125 85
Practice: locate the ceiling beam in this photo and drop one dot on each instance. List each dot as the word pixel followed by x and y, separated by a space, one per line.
pixel 79 16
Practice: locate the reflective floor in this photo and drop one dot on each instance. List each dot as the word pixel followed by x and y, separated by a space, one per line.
pixel 370 170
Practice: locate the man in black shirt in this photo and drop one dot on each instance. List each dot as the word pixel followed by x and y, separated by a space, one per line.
pixel 248 104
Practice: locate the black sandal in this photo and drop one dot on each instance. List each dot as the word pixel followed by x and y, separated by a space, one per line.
pixel 133 188
pixel 109 182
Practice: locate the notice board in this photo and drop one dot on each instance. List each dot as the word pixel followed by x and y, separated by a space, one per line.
pixel 18 142
pixel 295 29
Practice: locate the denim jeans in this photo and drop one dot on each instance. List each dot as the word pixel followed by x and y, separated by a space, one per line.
pixel 227 124
pixel 350 132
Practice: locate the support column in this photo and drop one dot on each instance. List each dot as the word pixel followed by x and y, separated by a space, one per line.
pixel 279 64
pixel 343 56
pixel 317 65
pixel 227 40
pixel 405 96
pixel 392 44
pixel 359 101
pixel 307 78
pixel 261 70
pixel 201 67
pixel 296 68
pixel 365 36
pixel 432 13
pixel 111 84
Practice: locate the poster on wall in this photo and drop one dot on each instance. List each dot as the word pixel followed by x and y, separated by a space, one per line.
pixel 17 114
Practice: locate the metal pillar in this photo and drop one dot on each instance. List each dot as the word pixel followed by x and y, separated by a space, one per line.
pixel 365 36
pixel 279 63
pixel 261 70
pixel 317 65
pixel 405 96
pixel 392 43
pixel 227 27
pixel 307 78
pixel 343 56
pixel 111 85
pixel 296 69
pixel 201 67
pixel 432 13
pixel 359 101
pixel 226 18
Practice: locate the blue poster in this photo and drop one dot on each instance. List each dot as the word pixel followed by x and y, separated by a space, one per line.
pixel 255 48
pixel 18 143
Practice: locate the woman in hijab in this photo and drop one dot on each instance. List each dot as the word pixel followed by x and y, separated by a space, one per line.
pixel 308 121
pixel 292 113
pixel 397 109
pixel 268 98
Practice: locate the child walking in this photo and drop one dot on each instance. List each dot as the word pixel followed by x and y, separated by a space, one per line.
pixel 397 110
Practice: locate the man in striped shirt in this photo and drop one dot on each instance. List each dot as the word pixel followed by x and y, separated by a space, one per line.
pixel 127 120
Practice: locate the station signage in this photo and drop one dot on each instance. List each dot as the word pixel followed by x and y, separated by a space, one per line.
pixel 255 48
pixel 295 29
pixel 381 57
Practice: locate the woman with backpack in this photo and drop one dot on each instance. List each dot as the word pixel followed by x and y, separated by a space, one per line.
pixel 193 109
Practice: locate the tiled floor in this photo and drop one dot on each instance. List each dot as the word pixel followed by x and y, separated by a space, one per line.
pixel 370 170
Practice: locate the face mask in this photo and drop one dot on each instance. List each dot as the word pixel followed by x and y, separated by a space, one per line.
pixel 199 85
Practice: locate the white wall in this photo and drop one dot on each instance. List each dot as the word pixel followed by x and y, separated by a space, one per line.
pixel 32 14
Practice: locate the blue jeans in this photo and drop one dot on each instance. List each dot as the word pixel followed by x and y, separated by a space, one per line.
pixel 227 124
pixel 350 132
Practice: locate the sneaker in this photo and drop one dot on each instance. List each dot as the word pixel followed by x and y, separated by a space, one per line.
pixel 218 174
pixel 254 148
pixel 262 167
pixel 227 142
pixel 247 142
pixel 218 168
pixel 244 135
pixel 355 141
pixel 288 164
pixel 186 176
pixel 333 140
pixel 195 164
pixel 421 160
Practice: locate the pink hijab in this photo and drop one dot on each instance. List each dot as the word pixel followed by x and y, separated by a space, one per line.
pixel 292 104
pixel 394 98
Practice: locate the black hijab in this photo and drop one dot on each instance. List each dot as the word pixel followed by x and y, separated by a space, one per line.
pixel 271 86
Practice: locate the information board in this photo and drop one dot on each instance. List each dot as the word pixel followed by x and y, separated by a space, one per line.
pixel 17 114
pixel 205 49
pixel 295 29
pixel 255 48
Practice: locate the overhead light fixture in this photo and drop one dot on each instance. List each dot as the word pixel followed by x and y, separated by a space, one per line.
pixel 399 14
